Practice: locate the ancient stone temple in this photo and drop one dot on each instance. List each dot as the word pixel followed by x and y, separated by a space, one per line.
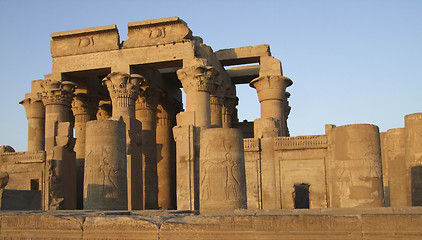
pixel 108 132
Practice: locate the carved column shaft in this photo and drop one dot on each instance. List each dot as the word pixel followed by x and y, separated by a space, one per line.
pixel 146 112
pixel 84 109
pixel 166 158
pixel 124 90
pixel 60 177
pixel 35 113
pixel 216 111
pixel 229 111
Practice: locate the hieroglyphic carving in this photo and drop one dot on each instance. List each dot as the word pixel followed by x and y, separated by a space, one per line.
pixel 159 32
pixel 86 41
pixel 300 142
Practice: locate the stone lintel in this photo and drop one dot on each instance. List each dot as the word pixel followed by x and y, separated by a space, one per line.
pixel 243 74
pixel 84 41
pixel 156 32
pixel 160 21
pixel 85 31
pixel 242 55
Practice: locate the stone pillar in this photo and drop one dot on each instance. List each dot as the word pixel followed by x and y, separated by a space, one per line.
pixel 105 185
pixel 272 96
pixel 146 112
pixel 413 156
pixel 216 111
pixel 35 113
pixel 222 171
pixel 124 90
pixel 60 192
pixel 166 157
pixel 355 170
pixel 197 83
pixel 229 111
pixel 395 142
pixel 84 109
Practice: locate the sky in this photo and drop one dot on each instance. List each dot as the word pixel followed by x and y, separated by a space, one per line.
pixel 357 61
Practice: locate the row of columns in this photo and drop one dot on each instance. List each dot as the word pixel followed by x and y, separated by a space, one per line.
pixel 149 148
pixel 52 102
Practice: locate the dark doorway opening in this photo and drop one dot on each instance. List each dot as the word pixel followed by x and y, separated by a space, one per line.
pixel 301 196
pixel 416 176
pixel 35 184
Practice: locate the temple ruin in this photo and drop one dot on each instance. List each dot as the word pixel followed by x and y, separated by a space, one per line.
pixel 107 130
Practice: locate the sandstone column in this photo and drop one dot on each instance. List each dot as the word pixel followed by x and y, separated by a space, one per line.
pixel 222 171
pixel 35 113
pixel 272 96
pixel 105 184
pixel 355 169
pixel 413 156
pixel 84 109
pixel 60 174
pixel 124 90
pixel 397 167
pixel 216 111
pixel 166 157
pixel 197 83
pixel 229 111
pixel 146 112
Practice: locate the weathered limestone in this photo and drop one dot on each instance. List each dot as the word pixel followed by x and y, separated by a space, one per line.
pixel 35 113
pixel 124 90
pixel 105 183
pixel 60 191
pixel 222 171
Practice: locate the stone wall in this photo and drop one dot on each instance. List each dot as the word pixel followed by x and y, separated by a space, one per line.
pixel 374 223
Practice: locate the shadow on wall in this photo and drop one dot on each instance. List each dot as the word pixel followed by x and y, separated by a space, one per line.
pixel 105 197
pixel 20 199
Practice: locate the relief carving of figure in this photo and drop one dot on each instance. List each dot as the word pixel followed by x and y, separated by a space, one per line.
pixel 232 188
pixel 109 175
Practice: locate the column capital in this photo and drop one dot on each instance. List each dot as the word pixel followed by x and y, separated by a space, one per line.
pixel 230 104
pixel 148 98
pixel 104 110
pixel 57 92
pixel 122 85
pixel 271 87
pixel 84 104
pixel 124 90
pixel 197 78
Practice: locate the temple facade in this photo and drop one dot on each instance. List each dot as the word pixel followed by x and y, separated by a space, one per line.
pixel 108 130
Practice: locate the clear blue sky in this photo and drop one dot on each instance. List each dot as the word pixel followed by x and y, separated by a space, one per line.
pixel 350 61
